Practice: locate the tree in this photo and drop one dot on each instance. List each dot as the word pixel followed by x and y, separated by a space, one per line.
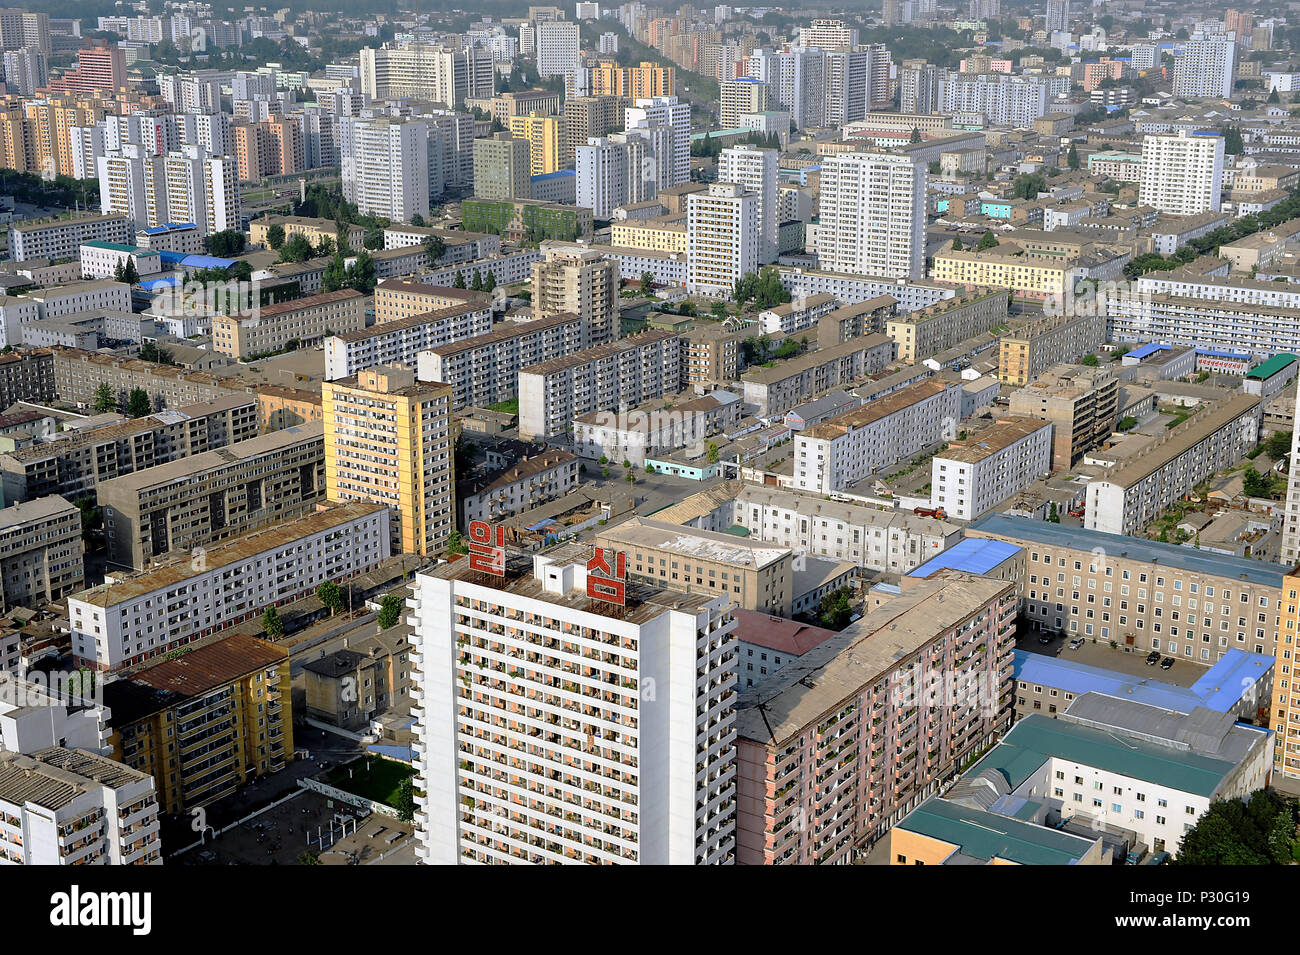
pixel 373 239
pixel 987 241
pixel 436 248
pixel 1054 514
pixel 476 283
pixel 1257 831
pixel 1273 98
pixel 460 280
pixel 1254 484
pixel 335 275
pixel 150 351
pixel 1072 158
pixel 417 220
pixel 296 248
pixel 489 281
pixel 713 452
pixel 719 309
pixel 228 242
pixel 456 543
pixel 104 399
pixel 1278 445
pixel 916 135
pixel 138 404
pixel 390 611
pixel 834 610
pixel 272 623
pixel 331 595
pixel 956 244
pixel 647 281
pixel 92 518
pixel 1092 361
pixel 1126 423
pixel 1232 144
pixel 275 237
pixel 361 274
pixel 125 271
pixel 404 801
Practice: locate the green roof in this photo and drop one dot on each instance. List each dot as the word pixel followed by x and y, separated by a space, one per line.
pixel 119 247
pixel 1271 367
pixel 987 835
pixel 1036 738
pixel 738 530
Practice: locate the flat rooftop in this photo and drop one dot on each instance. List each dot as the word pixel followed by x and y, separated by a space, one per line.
pixel 997 437
pixel 982 836
pixel 691 542
pixel 874 411
pixel 1118 546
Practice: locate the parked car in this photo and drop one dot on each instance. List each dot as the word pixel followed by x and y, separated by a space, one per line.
pixel 1153 658
pixel 1166 663
pixel 1076 643
pixel 1045 639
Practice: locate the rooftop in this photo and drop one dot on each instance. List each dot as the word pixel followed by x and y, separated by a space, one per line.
pixel 692 542
pixel 53 778
pixel 1118 546
pixel 973 555
pixel 985 836
pixel 778 633
pixel 874 411
pixel 997 437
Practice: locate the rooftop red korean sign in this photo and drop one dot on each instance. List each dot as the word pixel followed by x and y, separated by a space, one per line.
pixel 607 576
pixel 487 548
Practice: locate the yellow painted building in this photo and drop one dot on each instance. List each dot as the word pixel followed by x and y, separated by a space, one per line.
pixel 389 439
pixel 1028 276
pixel 634 82
pixel 666 234
pixel 543 134
pixel 206 721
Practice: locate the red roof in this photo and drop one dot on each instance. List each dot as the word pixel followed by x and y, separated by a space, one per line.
pixel 778 633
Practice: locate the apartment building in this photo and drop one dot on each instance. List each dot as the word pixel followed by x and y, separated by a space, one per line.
pixel 69 807
pixel 659 234
pixel 314 229
pixel 306 321
pixel 1131 495
pixel 388 439
pixel 532 480
pixel 212 496
pixel 630 790
pixel 1082 404
pixel 27 375
pixel 76 465
pixel 502 165
pixel 589 117
pixel 1206 65
pixel 843 450
pixel 740 96
pixel 1182 173
pixel 582 282
pixel 654 430
pixel 750 574
pixel 944 324
pixel 62 238
pixel 400 341
pixel 873 215
pixel 40 552
pixel 351 686
pixel 1211 319
pixel 206 722
pixel 790 318
pixel 723 238
pixel 485 369
pixel 131 618
pixel 1047 341
pixel 1029 275
pixel 422 71
pixel 857 716
pixel 79 373
pixel 973 476
pixel 894 541
pixel 1186 603
pixel 543 134
pixel 710 355
pixel 854 321
pixel 625 372
pixel 396 299
pixel 775 390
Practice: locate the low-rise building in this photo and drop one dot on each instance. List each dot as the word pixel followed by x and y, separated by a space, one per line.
pixel 27 375
pixel 842 451
pixel 131 618
pixel 942 325
pixel 1081 402
pixel 396 299
pixel 62 238
pixel 532 480
pixel 206 721
pixel 41 552
pixel 775 390
pixel 399 341
pixel 212 496
pixel 655 430
pixel 974 475
pixel 1130 496
pixel 351 686
pixel 300 322
pixel 1046 341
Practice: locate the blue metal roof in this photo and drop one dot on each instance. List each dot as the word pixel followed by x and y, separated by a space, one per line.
pixel 974 555
pixel 1220 689
pixel 1216 353
pixel 196 261
pixel 168 227
pixel 1147 350
pixel 167 282
pixel 1048 534
pixel 553 175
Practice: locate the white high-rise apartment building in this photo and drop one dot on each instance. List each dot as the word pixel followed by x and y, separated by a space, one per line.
pixel 390 163
pixel 603 175
pixel 722 238
pixel 557 48
pixel 26 70
pixel 555 726
pixel 1206 65
pixel 1058 16
pixel 185 185
pixel 873 215
pixel 666 111
pixel 1182 174
pixel 797 79
pixel 754 169
pixel 422 71
pixel 1291 521
pixel 829 35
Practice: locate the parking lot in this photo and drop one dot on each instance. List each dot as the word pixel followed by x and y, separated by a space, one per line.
pixel 1131 661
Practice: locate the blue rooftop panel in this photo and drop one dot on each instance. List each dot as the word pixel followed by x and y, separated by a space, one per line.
pixel 1147 350
pixel 973 555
